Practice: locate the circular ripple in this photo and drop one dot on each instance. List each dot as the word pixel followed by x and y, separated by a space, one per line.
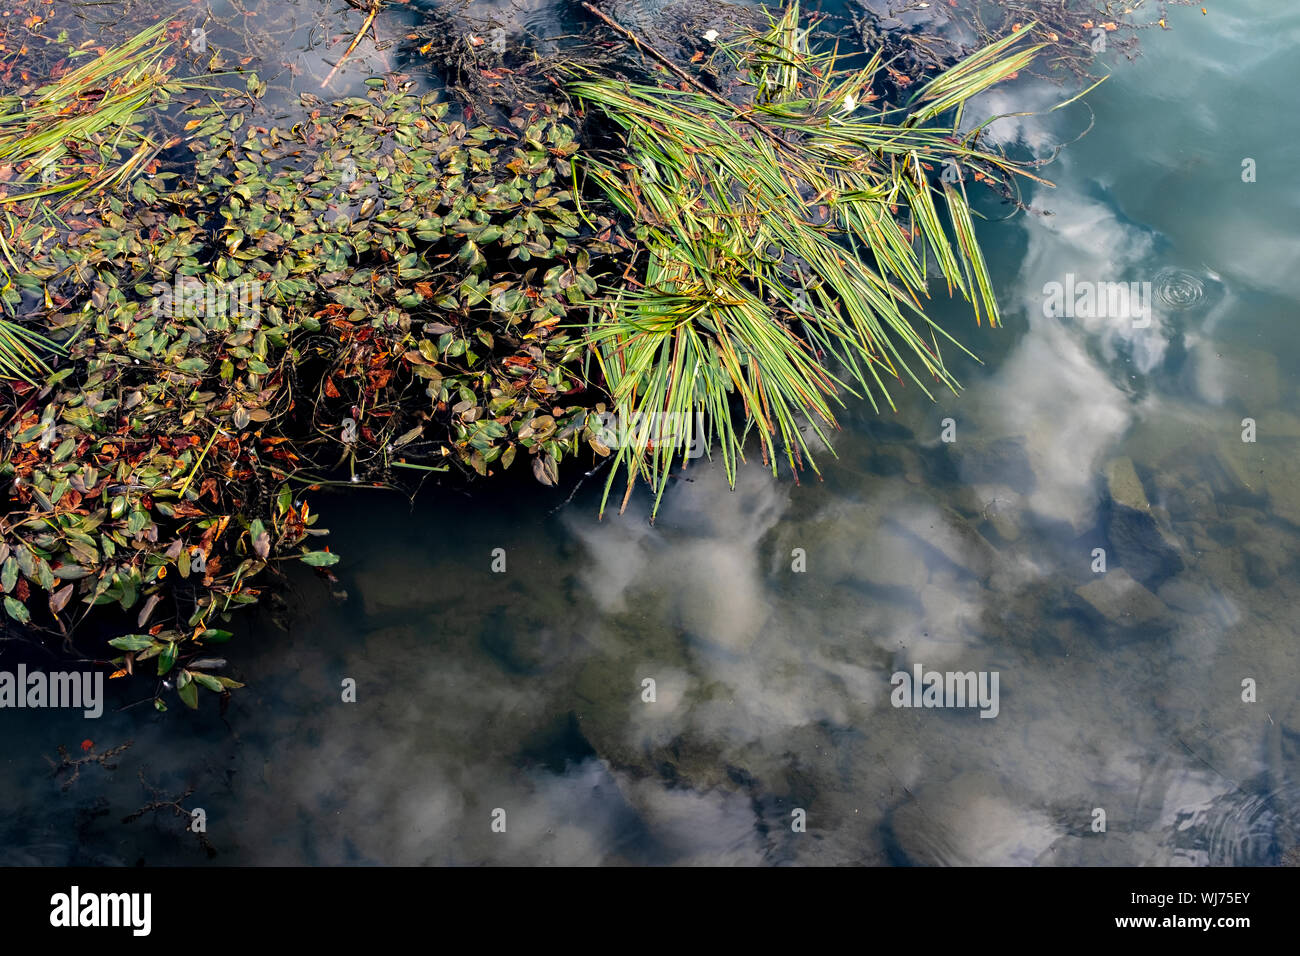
pixel 1178 290
pixel 1252 831
pixel 1241 829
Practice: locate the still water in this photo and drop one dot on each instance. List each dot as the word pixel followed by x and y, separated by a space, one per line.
pixel 1118 693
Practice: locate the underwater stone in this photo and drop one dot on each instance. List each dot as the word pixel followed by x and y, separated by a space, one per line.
pixel 1140 538
pixel 971 820
pixel 1118 597
pixel 1002 515
pixel 1260 468
pixel 1186 496
pixel 1125 486
pixel 999 505
pixel 952 536
pixel 1240 463
pixel 1282 480
pixel 1001 461
pixel 1143 546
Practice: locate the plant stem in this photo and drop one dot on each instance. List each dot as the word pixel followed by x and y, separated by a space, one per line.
pixel 370 18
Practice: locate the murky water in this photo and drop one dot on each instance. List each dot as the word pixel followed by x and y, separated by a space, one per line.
pixel 523 691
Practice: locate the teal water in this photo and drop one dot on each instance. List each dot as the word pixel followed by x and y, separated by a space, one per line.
pixel 522 690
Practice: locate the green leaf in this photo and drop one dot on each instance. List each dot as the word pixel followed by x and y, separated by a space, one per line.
pixel 207 680
pixel 167 658
pixel 131 642
pixel 319 559
pixel 17 610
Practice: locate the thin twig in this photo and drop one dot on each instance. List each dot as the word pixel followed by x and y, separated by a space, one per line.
pixel 370 18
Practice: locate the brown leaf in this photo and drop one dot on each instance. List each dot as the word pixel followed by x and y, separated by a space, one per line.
pixel 60 598
pixel 544 469
pixel 147 610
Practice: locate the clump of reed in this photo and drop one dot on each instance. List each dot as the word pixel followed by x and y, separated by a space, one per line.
pixel 786 226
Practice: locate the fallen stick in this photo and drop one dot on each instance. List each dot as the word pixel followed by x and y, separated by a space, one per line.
pixel 370 18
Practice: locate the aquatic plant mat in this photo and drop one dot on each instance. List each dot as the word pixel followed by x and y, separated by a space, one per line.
pixel 213 315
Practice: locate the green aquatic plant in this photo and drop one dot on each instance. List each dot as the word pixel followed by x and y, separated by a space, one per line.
pixel 88 112
pixel 377 292
pixel 74 136
pixel 786 228
pixel 418 296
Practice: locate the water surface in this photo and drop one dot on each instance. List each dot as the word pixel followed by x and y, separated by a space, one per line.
pixel 523 690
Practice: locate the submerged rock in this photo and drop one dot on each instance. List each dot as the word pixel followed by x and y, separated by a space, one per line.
pixel 1189 594
pixel 1001 461
pixel 1268 466
pixel 1266 548
pixel 1143 546
pixel 1186 496
pixel 1124 485
pixel 1000 506
pixel 1160 440
pixel 1282 480
pixel 952 536
pixel 899 459
pixel 1118 597
pixel 969 821
pixel 1240 464
pixel 1002 511
pixel 1140 538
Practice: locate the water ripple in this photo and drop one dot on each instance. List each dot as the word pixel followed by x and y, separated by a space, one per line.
pixel 1241 829
pixel 1178 289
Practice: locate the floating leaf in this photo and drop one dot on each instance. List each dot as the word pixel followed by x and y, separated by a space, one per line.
pixel 189 694
pixel 132 642
pixel 167 658
pixel 17 610
pixel 319 559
